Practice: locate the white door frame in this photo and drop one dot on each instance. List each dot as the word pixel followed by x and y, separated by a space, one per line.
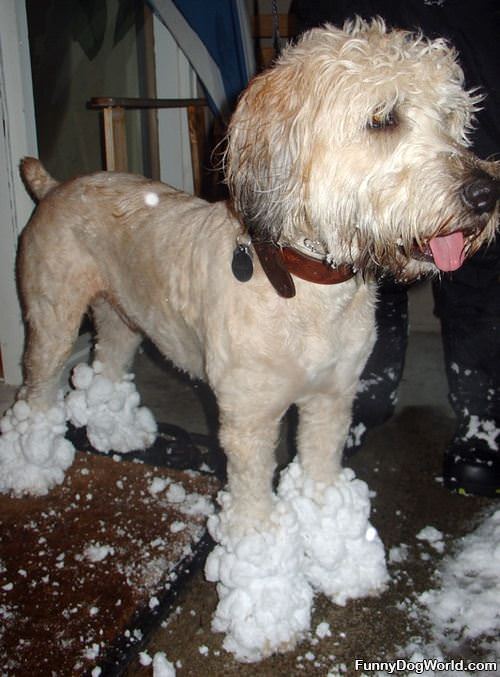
pixel 17 139
pixel 175 79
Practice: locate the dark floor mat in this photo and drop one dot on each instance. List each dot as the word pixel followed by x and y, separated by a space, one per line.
pixel 89 569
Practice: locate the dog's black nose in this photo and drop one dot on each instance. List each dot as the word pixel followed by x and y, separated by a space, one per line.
pixel 481 194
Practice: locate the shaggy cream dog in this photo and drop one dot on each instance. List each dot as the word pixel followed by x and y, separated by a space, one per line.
pixel 347 158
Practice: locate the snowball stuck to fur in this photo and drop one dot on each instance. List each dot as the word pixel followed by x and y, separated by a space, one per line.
pixel 264 599
pixel 318 537
pixel 33 451
pixel 344 557
pixel 110 410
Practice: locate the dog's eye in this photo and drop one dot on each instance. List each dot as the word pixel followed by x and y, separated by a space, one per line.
pixel 383 120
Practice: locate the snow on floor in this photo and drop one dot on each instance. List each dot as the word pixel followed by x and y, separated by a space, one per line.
pixel 463 609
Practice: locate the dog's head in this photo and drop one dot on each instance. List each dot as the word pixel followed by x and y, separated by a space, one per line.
pixel 358 138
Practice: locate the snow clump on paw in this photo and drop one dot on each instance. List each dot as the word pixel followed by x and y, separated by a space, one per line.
pixel 110 410
pixel 33 451
pixel 264 599
pixel 344 556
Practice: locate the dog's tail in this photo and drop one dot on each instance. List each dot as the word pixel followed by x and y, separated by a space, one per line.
pixel 36 178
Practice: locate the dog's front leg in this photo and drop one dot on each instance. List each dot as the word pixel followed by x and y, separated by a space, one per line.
pixel 249 443
pixel 344 557
pixel 264 598
pixel 324 422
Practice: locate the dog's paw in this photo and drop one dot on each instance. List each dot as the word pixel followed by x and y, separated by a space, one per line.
pixel 264 599
pixel 110 410
pixel 33 451
pixel 344 556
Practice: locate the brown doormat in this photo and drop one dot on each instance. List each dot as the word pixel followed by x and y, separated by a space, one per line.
pixel 89 569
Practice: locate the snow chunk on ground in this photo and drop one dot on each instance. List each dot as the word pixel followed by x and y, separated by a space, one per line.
pixel 176 493
pixel 264 598
pixel 110 410
pixel 463 607
pixel 97 552
pixel 188 503
pixel 344 557
pixel 323 630
pixel 33 451
pixel 398 554
pixel 162 667
pixel 433 536
pixel 158 485
pixel 144 658
pixel 197 504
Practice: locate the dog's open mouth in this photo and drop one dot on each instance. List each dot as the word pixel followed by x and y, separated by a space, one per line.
pixel 447 252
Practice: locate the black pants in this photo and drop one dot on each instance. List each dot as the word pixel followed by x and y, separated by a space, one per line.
pixel 467 303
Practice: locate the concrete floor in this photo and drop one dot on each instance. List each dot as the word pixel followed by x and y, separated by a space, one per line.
pixel 401 461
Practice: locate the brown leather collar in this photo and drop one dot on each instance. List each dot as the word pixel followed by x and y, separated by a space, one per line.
pixel 281 262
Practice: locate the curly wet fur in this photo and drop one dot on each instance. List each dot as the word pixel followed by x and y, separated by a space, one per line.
pixel 303 159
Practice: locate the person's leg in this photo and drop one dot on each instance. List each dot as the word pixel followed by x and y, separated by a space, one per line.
pixel 468 305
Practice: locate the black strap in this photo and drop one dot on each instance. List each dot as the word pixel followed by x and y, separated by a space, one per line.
pixel 276 30
pixel 173 447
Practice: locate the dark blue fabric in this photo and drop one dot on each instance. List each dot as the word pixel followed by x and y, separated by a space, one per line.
pixel 217 25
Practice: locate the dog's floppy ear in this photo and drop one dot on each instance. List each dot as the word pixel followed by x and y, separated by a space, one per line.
pixel 267 153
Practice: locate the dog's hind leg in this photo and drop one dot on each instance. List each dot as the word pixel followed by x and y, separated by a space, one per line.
pixel 52 327
pixel 33 450
pixel 116 341
pixel 265 600
pixel 104 398
pixel 344 556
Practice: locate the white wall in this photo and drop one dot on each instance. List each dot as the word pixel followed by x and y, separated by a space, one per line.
pixel 175 79
pixel 17 138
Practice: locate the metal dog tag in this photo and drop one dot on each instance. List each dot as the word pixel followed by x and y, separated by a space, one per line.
pixel 242 264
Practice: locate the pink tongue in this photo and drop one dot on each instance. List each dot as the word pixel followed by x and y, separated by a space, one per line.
pixel 448 251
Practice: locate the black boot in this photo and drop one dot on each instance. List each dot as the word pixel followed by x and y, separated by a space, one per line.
pixel 472 461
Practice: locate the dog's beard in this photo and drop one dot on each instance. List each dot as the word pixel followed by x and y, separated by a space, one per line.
pixel 426 228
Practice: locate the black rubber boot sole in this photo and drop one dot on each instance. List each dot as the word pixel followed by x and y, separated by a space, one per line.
pixel 466 477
